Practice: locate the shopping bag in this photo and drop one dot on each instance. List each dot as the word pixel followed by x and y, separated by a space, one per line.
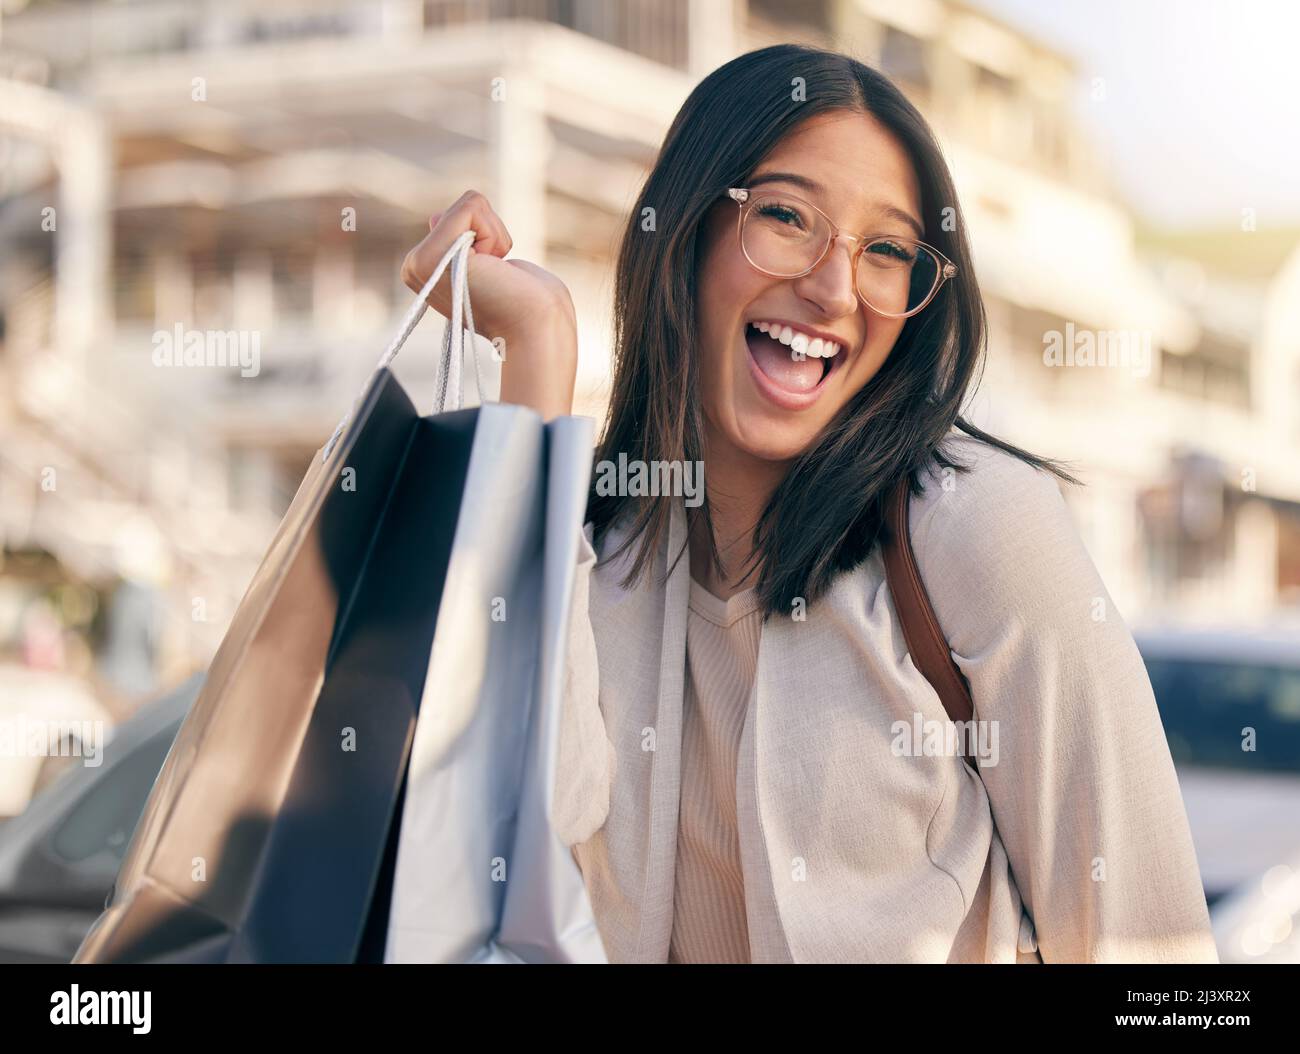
pixel 270 834
pixel 480 874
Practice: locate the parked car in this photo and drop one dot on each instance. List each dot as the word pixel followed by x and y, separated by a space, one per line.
pixel 64 701
pixel 1230 703
pixel 1259 922
pixel 60 857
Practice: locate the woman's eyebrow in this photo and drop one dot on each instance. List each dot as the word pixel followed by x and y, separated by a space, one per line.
pixel 804 183
pixel 788 177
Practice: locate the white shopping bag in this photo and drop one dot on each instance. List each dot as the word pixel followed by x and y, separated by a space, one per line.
pixel 480 875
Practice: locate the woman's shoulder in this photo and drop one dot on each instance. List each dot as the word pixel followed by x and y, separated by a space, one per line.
pixel 998 541
pixel 994 500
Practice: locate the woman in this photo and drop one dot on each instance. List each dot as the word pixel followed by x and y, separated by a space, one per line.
pixel 797 310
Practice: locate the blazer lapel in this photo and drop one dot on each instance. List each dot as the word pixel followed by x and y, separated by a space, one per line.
pixel 665 787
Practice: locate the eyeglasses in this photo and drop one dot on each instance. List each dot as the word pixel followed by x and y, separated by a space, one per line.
pixel 787 237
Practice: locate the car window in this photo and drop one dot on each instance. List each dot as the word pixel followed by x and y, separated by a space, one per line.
pixel 105 817
pixel 1206 705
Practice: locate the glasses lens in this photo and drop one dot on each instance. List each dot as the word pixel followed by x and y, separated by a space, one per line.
pixel 896 275
pixel 783 236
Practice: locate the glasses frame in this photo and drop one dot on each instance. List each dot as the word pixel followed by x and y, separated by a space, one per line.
pixel 745 200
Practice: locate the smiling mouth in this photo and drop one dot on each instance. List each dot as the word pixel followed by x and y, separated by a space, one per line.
pixel 794 367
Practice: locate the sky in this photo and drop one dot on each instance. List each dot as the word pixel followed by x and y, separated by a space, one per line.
pixel 1201 115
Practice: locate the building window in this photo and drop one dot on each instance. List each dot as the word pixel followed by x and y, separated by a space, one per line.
pixel 1288 553
pixel 814 14
pixel 991 81
pixel 1216 370
pixel 903 56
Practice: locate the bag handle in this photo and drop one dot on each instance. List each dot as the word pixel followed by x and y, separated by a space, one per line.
pixel 453 335
pixel 925 640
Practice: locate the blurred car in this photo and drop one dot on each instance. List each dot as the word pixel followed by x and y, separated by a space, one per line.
pixel 1259 922
pixel 64 701
pixel 1230 704
pixel 59 859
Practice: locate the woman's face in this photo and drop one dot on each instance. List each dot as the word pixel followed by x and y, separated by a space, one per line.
pixel 757 399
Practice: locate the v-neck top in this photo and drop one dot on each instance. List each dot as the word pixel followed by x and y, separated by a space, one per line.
pixel 722 639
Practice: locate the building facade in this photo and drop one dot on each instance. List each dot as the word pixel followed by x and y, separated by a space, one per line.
pixel 245 179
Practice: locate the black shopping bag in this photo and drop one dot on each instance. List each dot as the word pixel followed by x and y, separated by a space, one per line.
pixel 270 834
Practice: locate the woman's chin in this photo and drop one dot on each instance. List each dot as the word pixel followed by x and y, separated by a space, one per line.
pixel 761 437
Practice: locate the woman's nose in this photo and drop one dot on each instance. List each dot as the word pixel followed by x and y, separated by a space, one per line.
pixel 830 285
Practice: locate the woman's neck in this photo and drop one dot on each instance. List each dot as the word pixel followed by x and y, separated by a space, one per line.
pixel 737 487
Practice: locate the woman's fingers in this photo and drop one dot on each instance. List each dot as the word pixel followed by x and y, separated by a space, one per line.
pixel 473 211
pixel 470 212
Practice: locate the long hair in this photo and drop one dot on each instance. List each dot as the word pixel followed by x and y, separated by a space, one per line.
pixel 828 512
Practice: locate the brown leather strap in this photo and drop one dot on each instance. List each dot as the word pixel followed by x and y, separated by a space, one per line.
pixel 925 640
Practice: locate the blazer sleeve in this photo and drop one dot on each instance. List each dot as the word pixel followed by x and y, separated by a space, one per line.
pixel 1084 793
pixel 585 768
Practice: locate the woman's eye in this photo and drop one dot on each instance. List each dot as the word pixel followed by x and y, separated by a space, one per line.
pixel 782 214
pixel 893 250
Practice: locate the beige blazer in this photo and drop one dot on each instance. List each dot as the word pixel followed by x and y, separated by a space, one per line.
pixel 856 846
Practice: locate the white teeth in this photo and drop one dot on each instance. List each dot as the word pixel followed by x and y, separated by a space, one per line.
pixel 813 347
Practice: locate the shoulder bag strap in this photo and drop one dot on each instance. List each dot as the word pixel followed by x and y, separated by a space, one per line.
pixel 925 640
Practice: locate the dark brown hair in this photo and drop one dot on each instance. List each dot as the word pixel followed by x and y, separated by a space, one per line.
pixel 827 514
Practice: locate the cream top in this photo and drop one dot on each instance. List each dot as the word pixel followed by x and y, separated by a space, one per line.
pixel 722 639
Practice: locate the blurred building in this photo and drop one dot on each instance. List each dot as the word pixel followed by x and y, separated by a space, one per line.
pixel 255 172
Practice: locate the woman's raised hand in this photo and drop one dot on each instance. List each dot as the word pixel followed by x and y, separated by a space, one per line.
pixel 525 311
